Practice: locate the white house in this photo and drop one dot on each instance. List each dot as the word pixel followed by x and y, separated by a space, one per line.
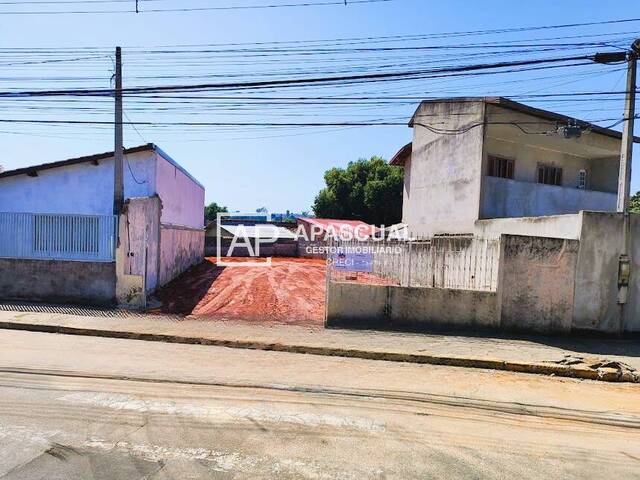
pixel 58 234
pixel 514 210
pixel 478 158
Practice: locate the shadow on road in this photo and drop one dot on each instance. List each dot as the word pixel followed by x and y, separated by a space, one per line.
pixel 578 342
pixel 182 295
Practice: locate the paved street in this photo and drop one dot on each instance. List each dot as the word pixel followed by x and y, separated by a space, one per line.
pixel 186 411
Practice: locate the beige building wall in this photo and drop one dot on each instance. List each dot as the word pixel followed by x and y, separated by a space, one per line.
pixel 532 141
pixel 596 153
pixel 447 187
pixel 443 177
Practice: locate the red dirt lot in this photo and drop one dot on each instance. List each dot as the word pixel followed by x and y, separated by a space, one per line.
pixel 291 290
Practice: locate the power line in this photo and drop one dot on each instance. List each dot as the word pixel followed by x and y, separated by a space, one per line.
pixel 404 38
pixel 70 2
pixel 324 66
pixel 373 122
pixel 322 46
pixel 192 9
pixel 301 81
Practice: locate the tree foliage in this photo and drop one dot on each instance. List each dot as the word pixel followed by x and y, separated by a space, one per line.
pixel 368 190
pixel 211 211
pixel 634 203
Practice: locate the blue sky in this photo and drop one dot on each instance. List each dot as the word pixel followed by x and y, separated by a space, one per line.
pixel 278 169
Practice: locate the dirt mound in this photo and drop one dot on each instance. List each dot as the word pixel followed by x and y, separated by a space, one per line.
pixel 290 290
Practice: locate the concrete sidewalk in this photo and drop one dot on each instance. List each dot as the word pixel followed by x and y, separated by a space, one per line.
pixel 608 360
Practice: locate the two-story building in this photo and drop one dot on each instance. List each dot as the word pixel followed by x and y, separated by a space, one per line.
pixel 479 158
pixel 519 198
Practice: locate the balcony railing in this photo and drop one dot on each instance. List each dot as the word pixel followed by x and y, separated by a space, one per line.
pixel 511 198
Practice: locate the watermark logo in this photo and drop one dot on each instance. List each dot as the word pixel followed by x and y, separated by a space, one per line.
pixel 348 245
pixel 239 240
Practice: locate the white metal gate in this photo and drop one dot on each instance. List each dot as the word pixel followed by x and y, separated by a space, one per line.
pixel 58 236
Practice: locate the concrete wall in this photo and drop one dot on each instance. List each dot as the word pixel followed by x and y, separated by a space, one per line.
pixel 546 284
pixel 510 198
pixel 141 239
pixel 368 306
pixel 182 197
pixel 603 174
pixel 595 299
pixel 418 307
pixel 442 180
pixel 152 254
pixel 180 248
pixel 354 305
pixel 631 311
pixel 537 283
pixel 552 226
pixel 595 278
pixel 83 188
pixel 57 281
pixel 535 293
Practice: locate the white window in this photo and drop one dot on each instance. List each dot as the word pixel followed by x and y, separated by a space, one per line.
pixel 582 179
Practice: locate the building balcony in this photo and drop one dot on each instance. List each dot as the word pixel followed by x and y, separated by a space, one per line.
pixel 503 197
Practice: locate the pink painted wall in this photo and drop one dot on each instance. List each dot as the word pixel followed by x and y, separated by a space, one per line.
pixel 182 198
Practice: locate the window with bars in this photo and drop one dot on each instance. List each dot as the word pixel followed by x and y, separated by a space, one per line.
pixel 500 167
pixel 582 179
pixel 549 175
pixel 66 234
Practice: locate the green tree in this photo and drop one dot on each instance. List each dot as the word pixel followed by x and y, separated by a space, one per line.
pixel 368 190
pixel 211 211
pixel 634 203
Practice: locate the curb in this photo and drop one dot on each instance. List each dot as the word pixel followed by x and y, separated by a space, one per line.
pixel 606 375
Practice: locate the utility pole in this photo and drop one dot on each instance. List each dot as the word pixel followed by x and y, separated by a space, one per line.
pixel 624 178
pixel 118 191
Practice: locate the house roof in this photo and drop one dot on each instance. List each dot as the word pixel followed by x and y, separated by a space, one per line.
pixel 521 107
pixel 340 225
pixel 402 155
pixel 31 170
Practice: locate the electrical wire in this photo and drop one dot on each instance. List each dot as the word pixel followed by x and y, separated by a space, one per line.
pixel 301 81
pixel 194 9
pixel 335 83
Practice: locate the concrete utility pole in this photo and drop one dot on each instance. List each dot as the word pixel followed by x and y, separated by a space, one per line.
pixel 624 176
pixel 118 192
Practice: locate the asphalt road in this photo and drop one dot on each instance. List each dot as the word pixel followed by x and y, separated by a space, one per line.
pixel 93 408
